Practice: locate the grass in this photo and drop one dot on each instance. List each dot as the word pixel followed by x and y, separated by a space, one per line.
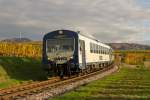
pixel 18 70
pixel 127 84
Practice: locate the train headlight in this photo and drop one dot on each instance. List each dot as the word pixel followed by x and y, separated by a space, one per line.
pixel 60 32
pixel 49 59
pixel 71 57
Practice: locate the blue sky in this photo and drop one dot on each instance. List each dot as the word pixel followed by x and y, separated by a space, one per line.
pixel 144 3
pixel 107 20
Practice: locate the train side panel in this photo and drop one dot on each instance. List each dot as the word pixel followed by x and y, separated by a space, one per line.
pixel 92 58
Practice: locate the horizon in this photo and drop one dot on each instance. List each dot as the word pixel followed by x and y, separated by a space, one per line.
pixel 34 40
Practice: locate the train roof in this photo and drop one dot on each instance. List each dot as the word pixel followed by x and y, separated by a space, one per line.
pixel 94 39
pixel 79 33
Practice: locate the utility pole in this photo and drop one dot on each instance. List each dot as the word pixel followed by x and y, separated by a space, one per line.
pixel 20 36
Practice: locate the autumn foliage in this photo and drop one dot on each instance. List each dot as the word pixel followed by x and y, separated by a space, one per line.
pixel 134 57
pixel 20 49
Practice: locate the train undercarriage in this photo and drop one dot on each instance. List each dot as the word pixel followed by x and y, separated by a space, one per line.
pixel 66 70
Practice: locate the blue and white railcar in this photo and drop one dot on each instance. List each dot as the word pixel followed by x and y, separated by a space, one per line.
pixel 94 54
pixel 67 52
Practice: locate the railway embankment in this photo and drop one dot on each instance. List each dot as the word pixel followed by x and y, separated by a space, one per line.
pixel 68 85
pixel 18 70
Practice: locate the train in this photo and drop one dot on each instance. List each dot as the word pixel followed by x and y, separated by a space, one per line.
pixel 67 52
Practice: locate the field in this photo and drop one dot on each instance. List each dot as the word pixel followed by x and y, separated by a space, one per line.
pixel 18 70
pixel 133 57
pixel 127 84
pixel 27 49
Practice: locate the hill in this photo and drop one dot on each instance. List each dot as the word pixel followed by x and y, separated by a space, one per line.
pixel 128 46
pixel 17 40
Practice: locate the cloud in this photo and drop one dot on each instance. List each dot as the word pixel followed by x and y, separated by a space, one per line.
pixel 107 20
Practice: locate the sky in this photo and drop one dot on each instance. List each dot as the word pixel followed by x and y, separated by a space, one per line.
pixel 107 20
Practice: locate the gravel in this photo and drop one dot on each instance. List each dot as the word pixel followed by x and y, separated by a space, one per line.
pixel 49 93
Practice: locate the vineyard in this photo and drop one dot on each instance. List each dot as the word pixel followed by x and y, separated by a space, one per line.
pixel 21 49
pixel 133 57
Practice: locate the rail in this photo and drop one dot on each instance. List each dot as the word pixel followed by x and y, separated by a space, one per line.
pixel 22 91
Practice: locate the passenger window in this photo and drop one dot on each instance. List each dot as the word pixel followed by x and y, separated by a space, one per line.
pixel 91 47
pixel 100 58
pixel 96 48
pixel 80 47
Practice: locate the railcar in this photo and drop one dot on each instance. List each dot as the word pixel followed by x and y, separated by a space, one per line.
pixel 67 52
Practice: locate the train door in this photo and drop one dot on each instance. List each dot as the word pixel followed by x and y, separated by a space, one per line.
pixel 82 54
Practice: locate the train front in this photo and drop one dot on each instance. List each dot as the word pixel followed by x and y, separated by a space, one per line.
pixel 60 52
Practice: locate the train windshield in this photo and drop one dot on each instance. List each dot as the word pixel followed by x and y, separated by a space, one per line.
pixel 61 47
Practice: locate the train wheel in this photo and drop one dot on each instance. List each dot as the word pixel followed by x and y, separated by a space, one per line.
pixel 88 70
pixel 61 74
pixel 68 71
pixel 55 71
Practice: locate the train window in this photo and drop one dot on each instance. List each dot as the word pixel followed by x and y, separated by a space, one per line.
pixel 100 57
pixel 96 48
pixel 90 47
pixel 103 50
pixel 60 45
pixel 107 51
pixel 80 48
pixel 99 49
pixel 93 48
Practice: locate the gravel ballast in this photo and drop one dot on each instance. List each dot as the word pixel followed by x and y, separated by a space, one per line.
pixel 49 93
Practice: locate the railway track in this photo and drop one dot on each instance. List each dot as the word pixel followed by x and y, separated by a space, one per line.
pixel 8 93
pixel 33 88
